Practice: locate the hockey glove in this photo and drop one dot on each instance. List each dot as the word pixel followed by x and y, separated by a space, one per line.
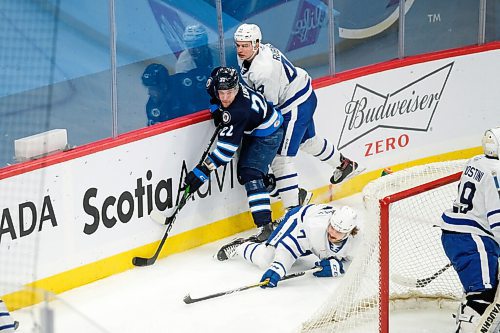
pixel 273 278
pixel 216 114
pixel 210 85
pixel 194 179
pixel 329 268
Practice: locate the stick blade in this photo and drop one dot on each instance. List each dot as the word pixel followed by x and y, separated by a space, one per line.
pixel 164 218
pixel 404 280
pixel 187 299
pixel 139 261
pixel 157 217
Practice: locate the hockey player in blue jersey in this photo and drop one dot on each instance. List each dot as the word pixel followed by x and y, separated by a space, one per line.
pixel 170 96
pixel 471 237
pixel 320 230
pixel 254 126
pixel 159 107
pixel 7 324
pixel 267 70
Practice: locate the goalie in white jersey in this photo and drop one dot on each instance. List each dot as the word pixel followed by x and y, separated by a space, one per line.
pixel 265 69
pixel 471 237
pixel 320 230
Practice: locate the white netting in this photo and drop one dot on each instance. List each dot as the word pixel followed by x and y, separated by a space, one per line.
pixel 415 252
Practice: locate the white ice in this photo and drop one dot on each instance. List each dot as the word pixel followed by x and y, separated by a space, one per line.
pixel 150 299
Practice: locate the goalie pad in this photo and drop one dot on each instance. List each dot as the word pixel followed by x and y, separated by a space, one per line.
pixel 490 319
pixel 489 322
pixel 466 319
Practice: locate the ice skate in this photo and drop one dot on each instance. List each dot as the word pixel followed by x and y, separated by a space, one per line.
pixel 304 196
pixel 229 250
pixel 347 169
pixel 264 233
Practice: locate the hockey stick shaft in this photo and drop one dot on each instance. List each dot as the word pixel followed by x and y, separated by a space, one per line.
pixel 188 299
pixel 419 283
pixel 140 261
pixel 184 199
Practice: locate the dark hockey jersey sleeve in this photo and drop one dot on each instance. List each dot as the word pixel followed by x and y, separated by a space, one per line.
pixel 230 137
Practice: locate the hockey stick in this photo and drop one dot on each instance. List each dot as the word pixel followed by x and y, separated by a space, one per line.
pixel 140 261
pixel 169 220
pixel 188 299
pixel 418 283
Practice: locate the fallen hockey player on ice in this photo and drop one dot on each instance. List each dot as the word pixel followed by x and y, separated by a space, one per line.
pixel 320 230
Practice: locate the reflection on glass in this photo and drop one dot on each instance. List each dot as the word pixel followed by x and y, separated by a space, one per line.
pixel 155 78
pixel 169 96
pixel 198 54
pixel 188 38
pixel 366 32
pixel 492 21
pixel 440 25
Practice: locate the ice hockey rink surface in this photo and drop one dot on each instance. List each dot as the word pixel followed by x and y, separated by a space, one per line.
pixel 150 299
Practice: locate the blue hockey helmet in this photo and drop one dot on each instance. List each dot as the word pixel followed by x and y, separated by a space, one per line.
pixel 155 75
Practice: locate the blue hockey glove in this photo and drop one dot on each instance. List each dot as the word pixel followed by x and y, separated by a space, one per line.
pixel 194 179
pixel 273 277
pixel 213 108
pixel 330 267
pixel 216 114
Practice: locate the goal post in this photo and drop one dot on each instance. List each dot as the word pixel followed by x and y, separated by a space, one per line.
pixel 385 204
pixel 399 262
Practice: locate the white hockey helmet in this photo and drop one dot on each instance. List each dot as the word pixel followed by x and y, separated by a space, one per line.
pixel 248 33
pixel 491 139
pixel 344 220
pixel 195 35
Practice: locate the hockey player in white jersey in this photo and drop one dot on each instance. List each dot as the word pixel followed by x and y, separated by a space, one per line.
pixel 265 69
pixel 471 236
pixel 7 324
pixel 320 230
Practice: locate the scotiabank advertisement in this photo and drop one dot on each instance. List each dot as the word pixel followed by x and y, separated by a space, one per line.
pixel 91 207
